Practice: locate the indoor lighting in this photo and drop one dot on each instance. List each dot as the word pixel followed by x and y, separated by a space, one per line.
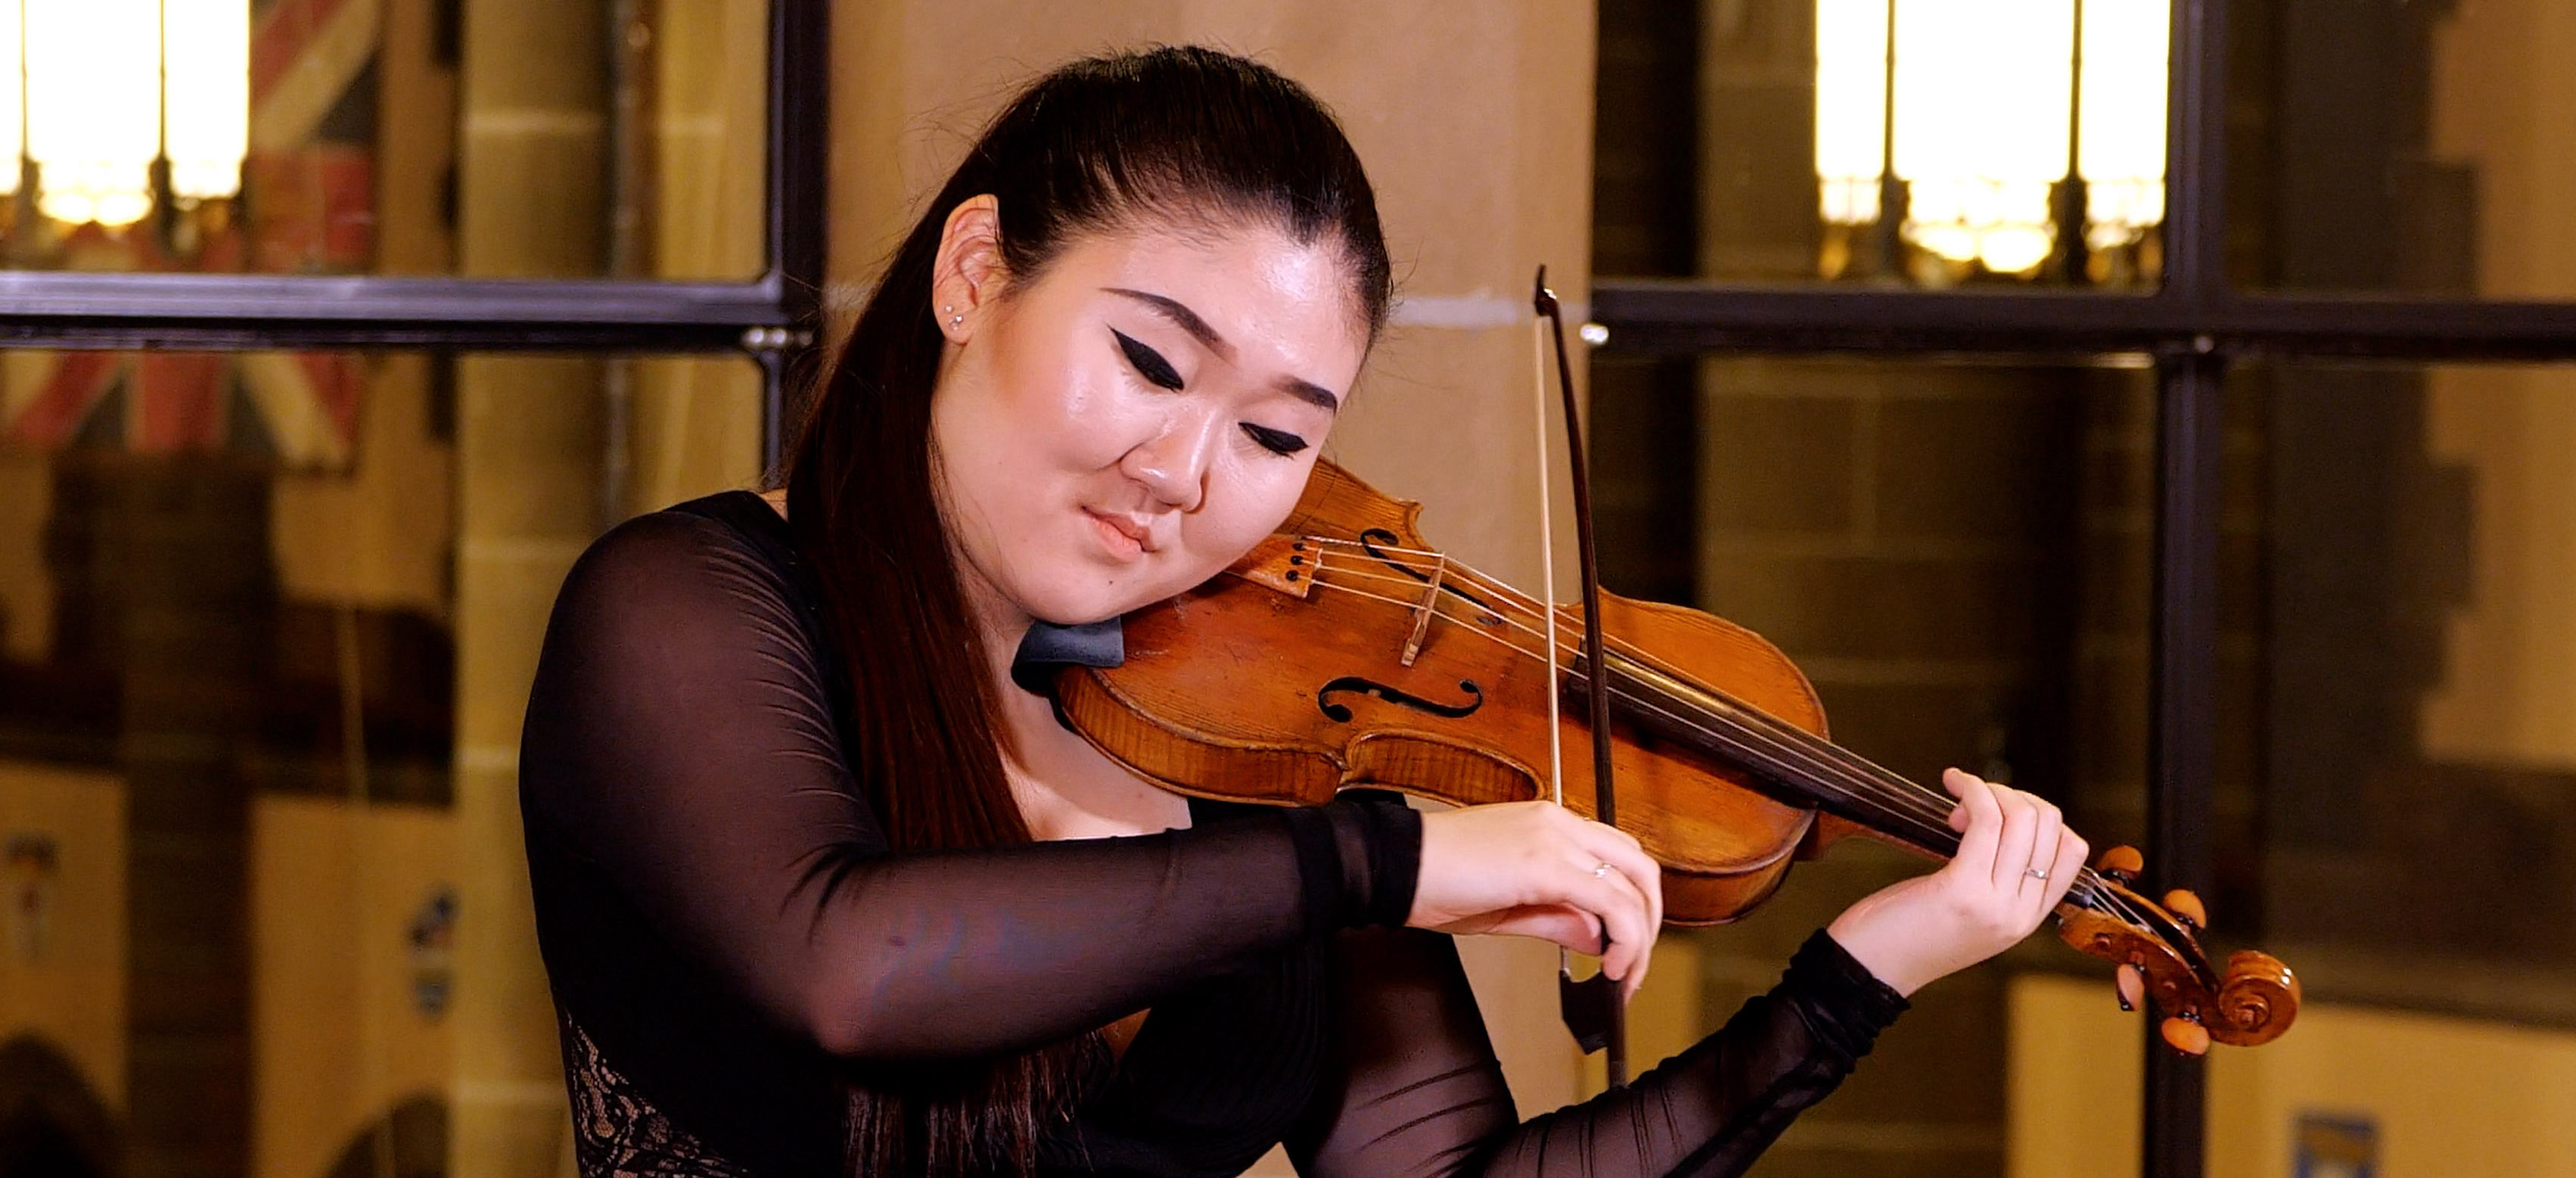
pixel 93 70
pixel 1986 125
pixel 102 103
pixel 2120 136
pixel 13 142
pixel 1851 108
pixel 205 96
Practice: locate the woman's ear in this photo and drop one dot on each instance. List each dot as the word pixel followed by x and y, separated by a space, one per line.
pixel 969 263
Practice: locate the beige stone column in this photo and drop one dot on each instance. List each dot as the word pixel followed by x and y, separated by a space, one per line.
pixel 1474 117
pixel 528 448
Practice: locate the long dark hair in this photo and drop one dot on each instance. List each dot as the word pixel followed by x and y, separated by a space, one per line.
pixel 1104 144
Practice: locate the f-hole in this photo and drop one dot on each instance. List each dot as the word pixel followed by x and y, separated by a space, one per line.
pixel 1340 713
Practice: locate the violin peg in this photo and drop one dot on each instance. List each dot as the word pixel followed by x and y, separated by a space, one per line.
pixel 2132 986
pixel 2122 864
pixel 2187 908
pixel 2186 1036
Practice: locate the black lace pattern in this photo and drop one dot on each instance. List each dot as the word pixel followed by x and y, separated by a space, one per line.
pixel 617 1132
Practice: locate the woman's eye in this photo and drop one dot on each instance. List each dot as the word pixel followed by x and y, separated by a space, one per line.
pixel 1149 363
pixel 1275 441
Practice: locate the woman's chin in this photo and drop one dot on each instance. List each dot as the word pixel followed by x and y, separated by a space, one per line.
pixel 1098 603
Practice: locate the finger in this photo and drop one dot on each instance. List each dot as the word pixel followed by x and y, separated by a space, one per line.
pixel 1625 855
pixel 1985 818
pixel 1616 899
pixel 2047 824
pixel 1564 925
pixel 2015 842
pixel 2071 852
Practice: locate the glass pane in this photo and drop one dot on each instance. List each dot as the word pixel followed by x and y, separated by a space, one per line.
pixel 2416 148
pixel 570 139
pixel 266 623
pixel 1957 556
pixel 2397 784
pixel 1930 143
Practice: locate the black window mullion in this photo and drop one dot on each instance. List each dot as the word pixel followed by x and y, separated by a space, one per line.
pixel 237 311
pixel 278 311
pixel 2182 712
pixel 1668 316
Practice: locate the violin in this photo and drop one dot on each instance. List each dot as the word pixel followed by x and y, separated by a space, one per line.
pixel 1345 652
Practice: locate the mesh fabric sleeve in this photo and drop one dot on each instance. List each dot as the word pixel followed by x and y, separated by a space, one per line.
pixel 681 744
pixel 1417 1091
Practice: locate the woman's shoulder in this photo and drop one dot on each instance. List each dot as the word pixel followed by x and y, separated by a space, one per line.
pixel 731 545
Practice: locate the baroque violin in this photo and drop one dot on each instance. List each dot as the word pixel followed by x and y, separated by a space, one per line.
pixel 1346 651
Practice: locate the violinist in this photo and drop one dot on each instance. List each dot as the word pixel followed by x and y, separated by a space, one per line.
pixel 825 888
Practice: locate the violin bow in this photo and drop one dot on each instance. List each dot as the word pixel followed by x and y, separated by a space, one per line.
pixel 1591 1008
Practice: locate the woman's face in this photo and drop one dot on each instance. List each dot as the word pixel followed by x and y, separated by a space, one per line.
pixel 1138 416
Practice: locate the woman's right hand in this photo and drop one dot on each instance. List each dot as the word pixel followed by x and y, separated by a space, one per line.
pixel 1534 869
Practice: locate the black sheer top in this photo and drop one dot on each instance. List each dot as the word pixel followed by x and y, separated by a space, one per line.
pixel 725 931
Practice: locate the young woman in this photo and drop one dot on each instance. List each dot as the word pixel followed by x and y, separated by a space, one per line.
pixel 824 890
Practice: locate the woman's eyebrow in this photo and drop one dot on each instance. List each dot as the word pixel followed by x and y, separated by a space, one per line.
pixel 1182 317
pixel 1188 320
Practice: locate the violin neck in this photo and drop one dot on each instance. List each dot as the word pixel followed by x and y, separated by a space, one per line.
pixel 1797 766
pixel 1790 763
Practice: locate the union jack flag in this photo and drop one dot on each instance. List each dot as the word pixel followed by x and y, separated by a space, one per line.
pixel 310 189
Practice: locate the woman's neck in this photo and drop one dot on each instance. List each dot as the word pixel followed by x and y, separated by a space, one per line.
pixel 1065 788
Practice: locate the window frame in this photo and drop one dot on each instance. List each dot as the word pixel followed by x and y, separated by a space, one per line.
pixel 772 319
pixel 2194 327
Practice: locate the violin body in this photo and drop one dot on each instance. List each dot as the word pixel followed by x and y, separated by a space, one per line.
pixel 1225 690
pixel 1345 652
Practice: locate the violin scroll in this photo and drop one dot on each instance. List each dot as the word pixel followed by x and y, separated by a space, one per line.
pixel 2157 948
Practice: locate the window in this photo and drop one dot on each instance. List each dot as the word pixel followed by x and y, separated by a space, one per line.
pixel 298 433
pixel 2284 522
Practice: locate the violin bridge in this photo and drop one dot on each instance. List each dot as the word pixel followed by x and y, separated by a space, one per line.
pixel 1284 563
pixel 1422 613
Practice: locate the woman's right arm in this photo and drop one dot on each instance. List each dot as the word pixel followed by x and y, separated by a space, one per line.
pixel 680 742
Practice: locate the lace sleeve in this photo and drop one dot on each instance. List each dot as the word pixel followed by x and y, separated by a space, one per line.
pixel 1419 1092
pixel 680 743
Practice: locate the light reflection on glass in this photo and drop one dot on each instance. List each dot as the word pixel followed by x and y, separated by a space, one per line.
pixel 1982 110
pixel 205 96
pixel 93 71
pixel 1987 95
pixel 102 103
pixel 2120 138
pixel 1851 108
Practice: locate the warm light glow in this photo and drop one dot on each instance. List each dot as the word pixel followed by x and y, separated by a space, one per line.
pixel 13 143
pixel 2121 132
pixel 1851 108
pixel 206 96
pixel 1985 92
pixel 93 71
pixel 1982 114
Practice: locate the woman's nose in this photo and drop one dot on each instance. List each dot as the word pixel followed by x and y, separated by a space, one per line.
pixel 1174 464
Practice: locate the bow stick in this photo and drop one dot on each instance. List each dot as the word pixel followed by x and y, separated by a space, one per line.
pixel 1591 1008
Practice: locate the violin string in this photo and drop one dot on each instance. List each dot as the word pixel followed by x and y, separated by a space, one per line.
pixel 2087 891
pixel 1903 791
pixel 1932 827
pixel 1801 746
pixel 1844 779
pixel 1802 749
pixel 2089 887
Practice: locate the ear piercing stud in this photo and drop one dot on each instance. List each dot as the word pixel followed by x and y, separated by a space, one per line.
pixel 954 319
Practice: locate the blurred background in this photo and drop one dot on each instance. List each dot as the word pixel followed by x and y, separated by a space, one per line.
pixel 438 290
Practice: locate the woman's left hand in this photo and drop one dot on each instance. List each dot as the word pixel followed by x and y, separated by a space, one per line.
pixel 2016 859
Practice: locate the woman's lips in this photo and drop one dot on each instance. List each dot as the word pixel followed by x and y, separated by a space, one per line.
pixel 1122 537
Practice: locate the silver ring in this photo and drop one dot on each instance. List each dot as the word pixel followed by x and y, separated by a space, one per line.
pixel 2036 873
pixel 1601 872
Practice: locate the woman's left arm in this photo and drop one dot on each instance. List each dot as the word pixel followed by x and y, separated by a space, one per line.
pixel 1418 1090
